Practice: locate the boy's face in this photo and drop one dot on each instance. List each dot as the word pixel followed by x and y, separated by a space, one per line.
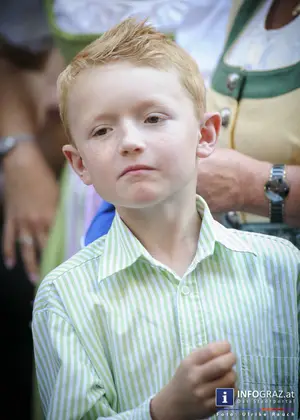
pixel 136 134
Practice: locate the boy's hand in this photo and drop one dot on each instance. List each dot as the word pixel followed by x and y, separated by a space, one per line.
pixel 190 394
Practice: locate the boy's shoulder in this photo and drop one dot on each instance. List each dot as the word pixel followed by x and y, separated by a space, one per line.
pixel 82 258
pixel 262 245
pixel 267 246
pixel 82 267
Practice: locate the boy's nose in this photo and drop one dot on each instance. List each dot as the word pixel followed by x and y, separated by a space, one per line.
pixel 132 141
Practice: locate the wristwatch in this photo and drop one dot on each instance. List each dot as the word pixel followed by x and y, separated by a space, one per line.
pixel 276 191
pixel 8 143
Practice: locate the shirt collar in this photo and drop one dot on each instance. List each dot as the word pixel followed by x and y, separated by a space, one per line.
pixel 212 232
pixel 122 248
pixel 233 239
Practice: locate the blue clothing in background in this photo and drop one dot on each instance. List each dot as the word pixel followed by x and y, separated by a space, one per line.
pixel 101 223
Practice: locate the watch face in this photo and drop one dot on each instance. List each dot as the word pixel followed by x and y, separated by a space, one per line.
pixel 277 190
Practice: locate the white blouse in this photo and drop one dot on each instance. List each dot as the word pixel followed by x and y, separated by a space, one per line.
pixel 260 49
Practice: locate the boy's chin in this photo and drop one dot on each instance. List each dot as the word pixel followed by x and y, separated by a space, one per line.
pixel 140 200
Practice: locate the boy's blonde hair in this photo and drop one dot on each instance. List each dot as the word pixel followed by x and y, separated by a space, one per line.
pixel 140 44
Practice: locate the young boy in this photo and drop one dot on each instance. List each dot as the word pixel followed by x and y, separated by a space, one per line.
pixel 148 321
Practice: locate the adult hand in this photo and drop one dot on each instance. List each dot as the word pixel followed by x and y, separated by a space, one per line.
pixel 30 198
pixel 221 180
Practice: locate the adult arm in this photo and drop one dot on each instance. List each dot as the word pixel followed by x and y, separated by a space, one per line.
pixel 30 187
pixel 229 180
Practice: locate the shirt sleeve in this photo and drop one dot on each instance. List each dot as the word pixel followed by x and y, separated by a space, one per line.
pixel 25 25
pixel 69 387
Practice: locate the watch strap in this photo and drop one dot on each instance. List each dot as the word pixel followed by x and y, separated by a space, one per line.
pixel 276 209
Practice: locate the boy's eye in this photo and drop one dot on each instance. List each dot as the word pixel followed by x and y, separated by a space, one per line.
pixel 153 119
pixel 101 131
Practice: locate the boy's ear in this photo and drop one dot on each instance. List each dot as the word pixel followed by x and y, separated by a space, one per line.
pixel 73 156
pixel 209 133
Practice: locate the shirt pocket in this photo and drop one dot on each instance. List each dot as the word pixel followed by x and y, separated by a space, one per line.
pixel 266 370
pixel 268 382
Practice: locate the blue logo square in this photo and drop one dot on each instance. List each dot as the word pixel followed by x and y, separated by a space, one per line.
pixel 224 397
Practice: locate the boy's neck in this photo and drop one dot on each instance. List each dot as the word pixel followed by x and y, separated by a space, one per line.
pixel 169 231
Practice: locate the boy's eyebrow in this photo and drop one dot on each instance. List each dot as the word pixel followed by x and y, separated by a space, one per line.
pixel 139 105
pixel 155 101
pixel 101 116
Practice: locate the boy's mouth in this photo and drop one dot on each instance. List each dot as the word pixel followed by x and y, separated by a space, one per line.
pixel 135 168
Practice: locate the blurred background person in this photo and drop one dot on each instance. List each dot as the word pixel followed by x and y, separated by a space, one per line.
pixel 30 161
pixel 256 89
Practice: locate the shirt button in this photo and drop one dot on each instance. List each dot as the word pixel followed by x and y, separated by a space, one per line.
pixel 225 116
pixel 232 81
pixel 185 291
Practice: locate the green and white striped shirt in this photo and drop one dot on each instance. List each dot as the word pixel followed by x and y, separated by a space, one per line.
pixel 112 324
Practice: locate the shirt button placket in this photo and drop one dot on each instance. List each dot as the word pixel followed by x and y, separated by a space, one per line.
pixel 184 301
pixel 185 291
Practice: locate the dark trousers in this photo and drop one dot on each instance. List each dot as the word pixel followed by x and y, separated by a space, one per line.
pixel 16 355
